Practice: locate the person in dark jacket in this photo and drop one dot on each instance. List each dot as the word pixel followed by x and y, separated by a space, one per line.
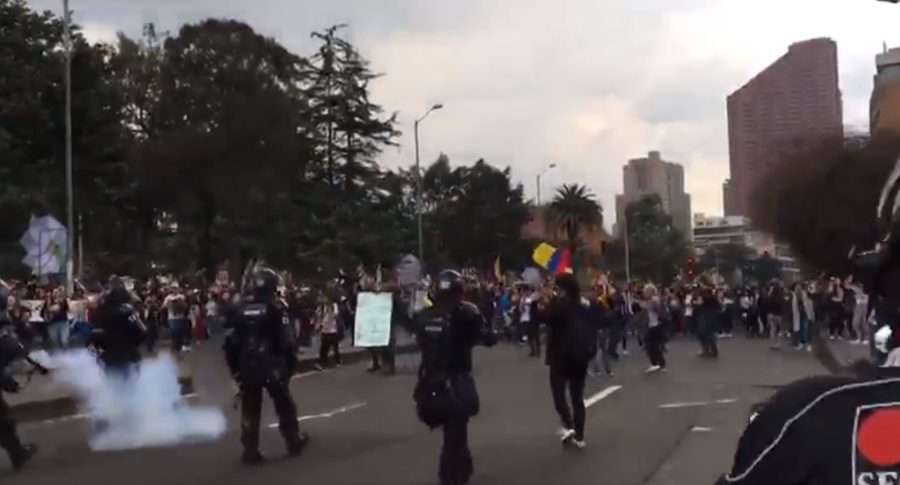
pixel 118 331
pixel 707 311
pixel 446 334
pixel 11 350
pixel 567 361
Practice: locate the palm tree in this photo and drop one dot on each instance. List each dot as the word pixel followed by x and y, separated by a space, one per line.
pixel 573 209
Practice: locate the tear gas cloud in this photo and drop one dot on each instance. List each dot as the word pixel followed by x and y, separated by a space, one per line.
pixel 143 410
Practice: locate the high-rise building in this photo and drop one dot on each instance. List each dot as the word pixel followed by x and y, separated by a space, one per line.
pixel 785 110
pixel 884 106
pixel 653 175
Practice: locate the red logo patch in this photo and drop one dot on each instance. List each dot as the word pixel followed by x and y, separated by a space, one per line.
pixel 878 437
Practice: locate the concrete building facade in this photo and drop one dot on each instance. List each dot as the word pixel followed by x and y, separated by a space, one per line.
pixel 653 175
pixel 710 232
pixel 884 105
pixel 785 110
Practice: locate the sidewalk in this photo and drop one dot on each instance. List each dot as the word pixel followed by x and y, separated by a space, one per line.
pixel 846 352
pixel 43 398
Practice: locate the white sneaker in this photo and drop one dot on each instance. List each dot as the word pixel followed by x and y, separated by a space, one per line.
pixel 864 342
pixel 580 444
pixel 652 369
pixel 809 348
pixel 566 435
pixel 625 352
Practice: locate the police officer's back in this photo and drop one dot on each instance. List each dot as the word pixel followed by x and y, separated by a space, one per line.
pixel 260 354
pixel 445 393
pixel 11 350
pixel 118 330
pixel 838 429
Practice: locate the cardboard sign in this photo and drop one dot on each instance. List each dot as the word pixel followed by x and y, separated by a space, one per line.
pixel 372 327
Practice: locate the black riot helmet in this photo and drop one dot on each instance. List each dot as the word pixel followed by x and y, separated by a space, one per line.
pixel 117 293
pixel 879 268
pixel 448 287
pixel 265 283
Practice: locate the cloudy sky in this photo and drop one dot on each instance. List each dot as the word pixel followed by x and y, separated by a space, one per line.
pixel 586 84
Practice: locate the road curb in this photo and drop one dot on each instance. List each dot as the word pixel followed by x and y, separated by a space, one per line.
pixel 59 407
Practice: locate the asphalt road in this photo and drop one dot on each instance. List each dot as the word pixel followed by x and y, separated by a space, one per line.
pixel 679 427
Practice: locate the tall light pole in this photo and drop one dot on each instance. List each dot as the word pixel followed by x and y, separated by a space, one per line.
pixel 419 181
pixel 539 175
pixel 627 247
pixel 70 205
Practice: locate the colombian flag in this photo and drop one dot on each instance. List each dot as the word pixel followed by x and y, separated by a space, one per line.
pixel 556 261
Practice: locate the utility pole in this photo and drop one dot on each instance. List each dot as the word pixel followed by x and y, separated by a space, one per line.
pixel 627 248
pixel 70 204
pixel 538 184
pixel 419 182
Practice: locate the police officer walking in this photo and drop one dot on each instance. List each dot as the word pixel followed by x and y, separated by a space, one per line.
pixel 11 350
pixel 119 330
pixel 260 353
pixel 445 393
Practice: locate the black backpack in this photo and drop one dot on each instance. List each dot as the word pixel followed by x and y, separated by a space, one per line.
pixel 580 333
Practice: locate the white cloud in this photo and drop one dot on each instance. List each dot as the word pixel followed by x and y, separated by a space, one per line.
pixel 584 83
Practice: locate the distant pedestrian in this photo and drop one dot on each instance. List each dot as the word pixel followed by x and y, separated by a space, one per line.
pixel 652 316
pixel 327 316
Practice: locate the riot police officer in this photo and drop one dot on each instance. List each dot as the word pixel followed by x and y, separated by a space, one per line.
pixel 260 352
pixel 118 330
pixel 836 429
pixel 445 393
pixel 11 350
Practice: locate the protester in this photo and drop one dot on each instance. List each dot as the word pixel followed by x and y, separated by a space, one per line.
pixel 652 315
pixel 327 316
pixel 58 321
pixel 571 344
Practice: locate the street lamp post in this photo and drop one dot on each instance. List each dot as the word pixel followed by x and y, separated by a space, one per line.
pixel 539 175
pixel 70 205
pixel 419 182
pixel 627 247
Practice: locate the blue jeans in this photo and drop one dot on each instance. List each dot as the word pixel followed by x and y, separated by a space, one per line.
pixel 59 335
pixel 801 337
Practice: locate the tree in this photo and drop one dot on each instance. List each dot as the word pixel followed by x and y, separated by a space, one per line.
pixel 574 209
pixel 822 202
pixel 32 123
pixel 346 126
pixel 473 214
pixel 658 250
pixel 230 114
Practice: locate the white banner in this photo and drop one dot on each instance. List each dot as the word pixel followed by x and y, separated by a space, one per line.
pixel 372 327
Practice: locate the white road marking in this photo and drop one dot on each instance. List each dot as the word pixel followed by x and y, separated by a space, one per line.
pixel 692 404
pixel 676 405
pixel 600 396
pixel 64 419
pixel 701 429
pixel 308 374
pixel 328 414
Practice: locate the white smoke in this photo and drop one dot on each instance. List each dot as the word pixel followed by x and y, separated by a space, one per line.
pixel 143 410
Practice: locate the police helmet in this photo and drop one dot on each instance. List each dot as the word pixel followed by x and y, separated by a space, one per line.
pixel 265 283
pixel 449 284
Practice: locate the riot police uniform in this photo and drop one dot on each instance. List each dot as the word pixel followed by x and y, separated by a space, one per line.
pixel 118 331
pixel 445 393
pixel 260 353
pixel 11 350
pixel 837 429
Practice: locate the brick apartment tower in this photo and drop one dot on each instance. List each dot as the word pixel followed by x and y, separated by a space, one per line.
pixel 784 110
